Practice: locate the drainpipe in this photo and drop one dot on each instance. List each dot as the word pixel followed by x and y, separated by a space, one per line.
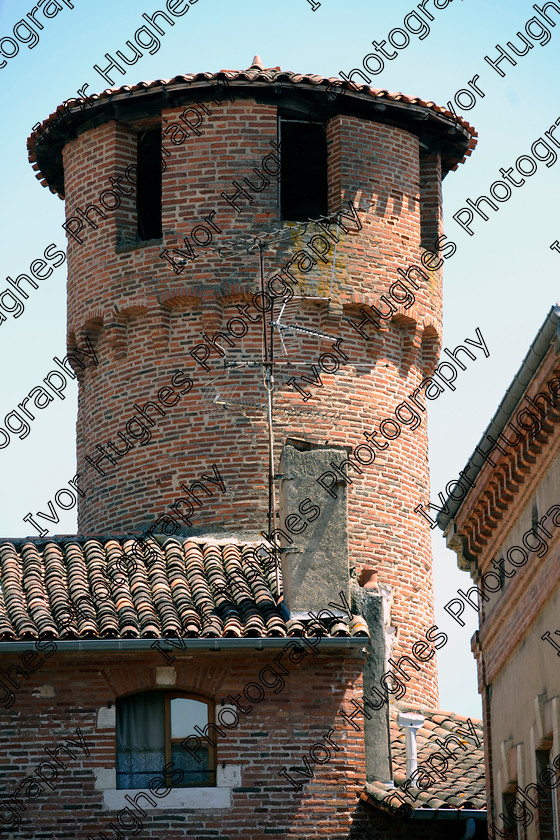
pixel 410 723
pixel 470 830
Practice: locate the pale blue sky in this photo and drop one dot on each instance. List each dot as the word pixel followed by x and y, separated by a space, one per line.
pixel 502 280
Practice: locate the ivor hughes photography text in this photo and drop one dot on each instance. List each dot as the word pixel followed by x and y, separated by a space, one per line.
pixel 280 549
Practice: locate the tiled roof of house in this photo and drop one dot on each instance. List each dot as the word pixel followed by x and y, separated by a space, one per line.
pixel 198 587
pixel 454 132
pixel 462 783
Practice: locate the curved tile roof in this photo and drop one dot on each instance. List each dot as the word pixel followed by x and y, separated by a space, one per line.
pixel 453 130
pixel 83 588
pixel 463 785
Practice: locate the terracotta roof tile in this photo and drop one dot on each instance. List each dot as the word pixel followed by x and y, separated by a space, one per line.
pixel 255 75
pixel 464 783
pixel 186 588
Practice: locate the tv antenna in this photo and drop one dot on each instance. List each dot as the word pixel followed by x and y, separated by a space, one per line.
pixel 291 330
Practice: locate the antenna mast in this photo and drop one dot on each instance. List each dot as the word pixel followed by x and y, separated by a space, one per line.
pixel 268 366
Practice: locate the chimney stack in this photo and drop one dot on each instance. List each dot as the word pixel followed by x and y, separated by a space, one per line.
pixel 410 723
pixel 313 530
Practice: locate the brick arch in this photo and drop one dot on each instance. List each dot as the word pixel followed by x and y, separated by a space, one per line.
pixel 373 347
pixel 196 678
pixel 90 319
pixel 407 326
pixel 410 315
pixel 91 329
pixel 134 310
pixel 430 349
pixel 236 292
pixel 180 299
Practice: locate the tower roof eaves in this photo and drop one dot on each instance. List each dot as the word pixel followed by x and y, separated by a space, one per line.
pixel 455 135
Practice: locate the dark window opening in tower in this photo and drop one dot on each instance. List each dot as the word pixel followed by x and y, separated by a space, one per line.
pixel 429 201
pixel 148 195
pixel 303 172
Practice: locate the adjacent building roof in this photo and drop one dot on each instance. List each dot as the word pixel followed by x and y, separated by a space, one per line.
pixel 84 588
pixel 452 134
pixel 547 336
pixel 462 785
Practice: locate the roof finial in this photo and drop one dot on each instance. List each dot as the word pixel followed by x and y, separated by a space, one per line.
pixel 257 62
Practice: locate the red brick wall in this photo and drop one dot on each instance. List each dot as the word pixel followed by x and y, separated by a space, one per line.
pixel 68 690
pixel 144 319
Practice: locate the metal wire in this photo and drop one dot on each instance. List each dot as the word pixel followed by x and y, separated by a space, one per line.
pixel 238 244
pixel 231 246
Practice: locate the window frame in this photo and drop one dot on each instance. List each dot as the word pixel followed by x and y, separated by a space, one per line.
pixel 169 742
pixel 517 830
pixel 544 758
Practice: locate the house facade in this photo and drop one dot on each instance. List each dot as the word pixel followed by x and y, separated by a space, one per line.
pixel 505 532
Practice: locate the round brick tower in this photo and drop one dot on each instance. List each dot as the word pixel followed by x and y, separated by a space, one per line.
pixel 164 285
